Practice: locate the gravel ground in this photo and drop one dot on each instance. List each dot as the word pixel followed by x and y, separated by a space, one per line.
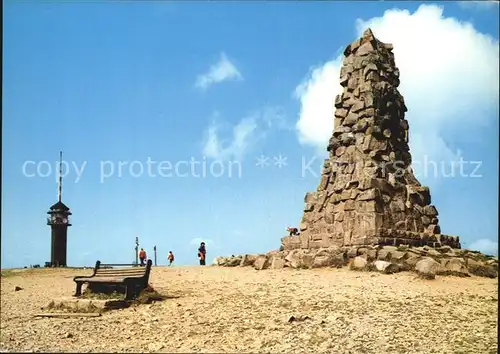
pixel 238 310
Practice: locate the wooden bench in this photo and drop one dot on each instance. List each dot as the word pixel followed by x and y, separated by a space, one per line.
pixel 134 278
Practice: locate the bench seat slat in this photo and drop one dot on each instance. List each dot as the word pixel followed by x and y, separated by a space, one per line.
pixel 124 273
pixel 122 269
pixel 120 273
pixel 100 280
pixel 135 269
pixel 117 276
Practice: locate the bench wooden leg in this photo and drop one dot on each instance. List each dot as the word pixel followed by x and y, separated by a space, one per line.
pixel 130 293
pixel 78 289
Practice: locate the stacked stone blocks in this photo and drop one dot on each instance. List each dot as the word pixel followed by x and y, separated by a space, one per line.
pixel 368 194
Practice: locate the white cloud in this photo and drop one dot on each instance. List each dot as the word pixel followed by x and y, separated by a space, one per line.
pixel 449 78
pixel 479 5
pixel 485 246
pixel 244 135
pixel 316 94
pixel 221 71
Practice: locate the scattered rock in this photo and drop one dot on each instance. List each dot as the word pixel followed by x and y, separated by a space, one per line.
pixel 480 269
pixel 339 260
pixel 293 258
pixel 411 261
pixel 325 258
pixel 454 266
pixel 18 288
pixel 261 262
pixel 398 255
pixel 219 261
pixel 433 253
pixel 300 259
pixel 386 267
pixel 445 249
pixel 248 260
pixel 454 262
pixel 359 263
pixel 383 254
pixel 427 268
pixel 234 261
pixel 154 347
pixel 299 318
pixel 277 263
pixel 492 262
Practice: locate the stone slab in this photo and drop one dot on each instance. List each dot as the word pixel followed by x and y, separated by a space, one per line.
pixel 86 305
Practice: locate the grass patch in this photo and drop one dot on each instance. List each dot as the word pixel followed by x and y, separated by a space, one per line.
pixel 426 276
pixel 149 295
pixel 114 295
pixel 408 267
pixel 483 271
pixel 7 273
pixel 480 257
pixel 27 272
pixel 370 267
pixel 52 306
pixel 366 268
pixel 453 273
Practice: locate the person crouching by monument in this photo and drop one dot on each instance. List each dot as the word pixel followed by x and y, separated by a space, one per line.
pixel 202 253
pixel 170 258
pixel 293 231
pixel 142 256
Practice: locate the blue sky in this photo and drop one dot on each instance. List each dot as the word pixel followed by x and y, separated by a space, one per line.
pixel 225 82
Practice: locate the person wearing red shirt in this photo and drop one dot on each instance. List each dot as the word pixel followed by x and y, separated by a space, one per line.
pixel 142 256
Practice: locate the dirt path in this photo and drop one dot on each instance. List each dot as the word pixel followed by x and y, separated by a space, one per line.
pixel 241 310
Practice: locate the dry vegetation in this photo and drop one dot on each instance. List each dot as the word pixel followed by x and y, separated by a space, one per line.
pixel 242 310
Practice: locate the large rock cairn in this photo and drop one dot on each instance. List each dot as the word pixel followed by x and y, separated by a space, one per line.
pixel 368 194
pixel 369 212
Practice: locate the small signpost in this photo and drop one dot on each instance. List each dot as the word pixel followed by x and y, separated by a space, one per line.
pixel 137 250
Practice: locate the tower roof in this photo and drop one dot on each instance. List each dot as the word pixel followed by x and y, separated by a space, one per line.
pixel 59 206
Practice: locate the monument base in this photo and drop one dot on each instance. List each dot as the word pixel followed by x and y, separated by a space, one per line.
pixel 384 237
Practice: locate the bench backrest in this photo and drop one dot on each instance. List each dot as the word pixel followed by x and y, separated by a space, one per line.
pixel 125 270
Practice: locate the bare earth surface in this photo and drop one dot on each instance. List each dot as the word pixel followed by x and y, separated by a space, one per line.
pixel 238 310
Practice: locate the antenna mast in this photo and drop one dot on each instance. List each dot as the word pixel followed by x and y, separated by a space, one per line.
pixel 60 176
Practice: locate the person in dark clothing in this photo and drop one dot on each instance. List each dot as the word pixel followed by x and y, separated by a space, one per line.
pixel 202 253
pixel 170 257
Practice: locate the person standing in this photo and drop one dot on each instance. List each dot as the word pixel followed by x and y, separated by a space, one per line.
pixel 170 257
pixel 202 253
pixel 142 256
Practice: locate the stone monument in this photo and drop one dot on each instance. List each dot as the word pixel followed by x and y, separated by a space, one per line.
pixel 368 194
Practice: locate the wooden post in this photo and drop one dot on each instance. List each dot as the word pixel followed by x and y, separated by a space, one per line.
pixel 137 250
pixel 154 248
